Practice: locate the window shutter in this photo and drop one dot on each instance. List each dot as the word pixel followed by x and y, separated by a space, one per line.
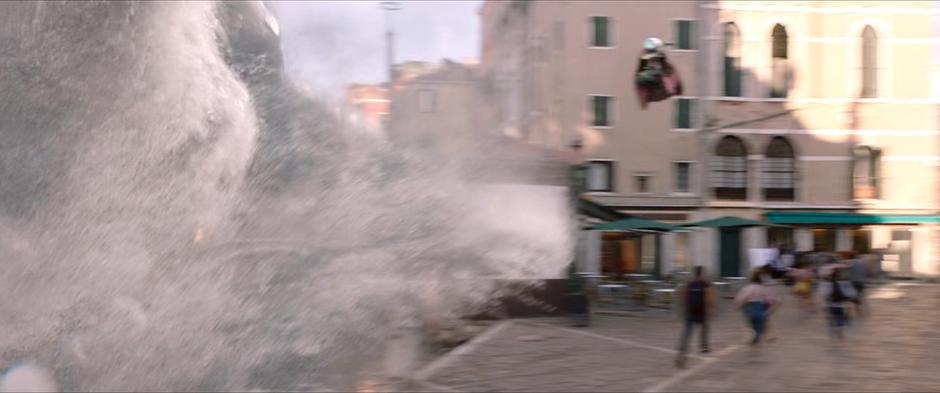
pixel 683 113
pixel 685 32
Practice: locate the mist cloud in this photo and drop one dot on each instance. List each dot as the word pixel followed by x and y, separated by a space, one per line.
pixel 330 44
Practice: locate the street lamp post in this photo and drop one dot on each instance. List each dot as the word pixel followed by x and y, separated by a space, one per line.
pixel 576 296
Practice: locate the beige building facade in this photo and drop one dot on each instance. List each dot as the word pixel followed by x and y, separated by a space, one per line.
pixel 821 116
pixel 435 107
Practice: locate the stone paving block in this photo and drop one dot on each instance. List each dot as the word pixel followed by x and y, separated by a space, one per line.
pixel 893 348
pixel 561 361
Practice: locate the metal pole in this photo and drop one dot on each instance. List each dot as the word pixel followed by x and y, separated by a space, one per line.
pixel 390 6
pixel 576 297
pixel 704 32
pixel 390 54
pixel 704 87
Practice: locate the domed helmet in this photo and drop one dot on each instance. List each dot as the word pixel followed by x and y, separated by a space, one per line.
pixel 652 43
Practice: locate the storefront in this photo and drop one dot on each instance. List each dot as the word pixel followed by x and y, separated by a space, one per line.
pixel 632 246
pixel 730 241
pixel 906 243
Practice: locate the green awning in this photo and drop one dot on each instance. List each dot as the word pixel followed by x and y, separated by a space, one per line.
pixel 636 224
pixel 593 209
pixel 728 222
pixel 788 217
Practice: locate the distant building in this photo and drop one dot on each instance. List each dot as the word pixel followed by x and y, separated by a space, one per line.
pixel 435 106
pixel 408 70
pixel 504 51
pixel 439 109
pixel 369 102
pixel 847 154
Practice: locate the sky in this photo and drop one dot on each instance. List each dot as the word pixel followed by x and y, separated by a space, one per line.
pixel 330 44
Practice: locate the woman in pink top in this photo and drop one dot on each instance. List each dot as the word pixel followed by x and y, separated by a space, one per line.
pixel 756 301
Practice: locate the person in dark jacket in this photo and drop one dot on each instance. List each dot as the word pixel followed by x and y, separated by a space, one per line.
pixel 838 291
pixel 697 301
pixel 656 78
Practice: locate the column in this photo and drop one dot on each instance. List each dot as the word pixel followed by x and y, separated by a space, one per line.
pixel 592 245
pixel 802 180
pixel 803 238
pixel 696 248
pixel 924 262
pixel 880 237
pixel 667 246
pixel 704 252
pixel 755 237
pixel 843 239
pixel 754 192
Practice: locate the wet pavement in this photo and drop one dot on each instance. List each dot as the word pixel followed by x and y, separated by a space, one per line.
pixel 896 347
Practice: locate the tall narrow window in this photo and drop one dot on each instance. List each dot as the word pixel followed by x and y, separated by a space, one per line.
pixel 683 113
pixel 866 176
pixel 869 63
pixel 729 169
pixel 685 34
pixel 682 172
pixel 779 71
pixel 731 38
pixel 642 183
pixel 779 171
pixel 600 31
pixel 601 111
pixel 600 176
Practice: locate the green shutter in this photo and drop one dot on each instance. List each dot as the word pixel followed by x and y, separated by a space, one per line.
pixel 683 113
pixel 682 176
pixel 600 109
pixel 601 31
pixel 732 77
pixel 685 31
pixel 683 39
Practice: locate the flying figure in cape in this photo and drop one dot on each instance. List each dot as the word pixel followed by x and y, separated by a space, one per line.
pixel 656 78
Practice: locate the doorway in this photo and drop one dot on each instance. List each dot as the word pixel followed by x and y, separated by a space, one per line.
pixel 620 254
pixel 629 249
pixel 900 248
pixel 730 252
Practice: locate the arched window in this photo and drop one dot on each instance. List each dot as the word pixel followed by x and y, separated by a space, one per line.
pixel 731 38
pixel 866 173
pixel 869 63
pixel 779 171
pixel 779 71
pixel 729 169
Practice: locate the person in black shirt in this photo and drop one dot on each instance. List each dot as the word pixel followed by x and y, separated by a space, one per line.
pixel 698 298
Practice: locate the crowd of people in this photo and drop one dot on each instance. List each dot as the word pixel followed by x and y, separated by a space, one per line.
pixel 832 283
